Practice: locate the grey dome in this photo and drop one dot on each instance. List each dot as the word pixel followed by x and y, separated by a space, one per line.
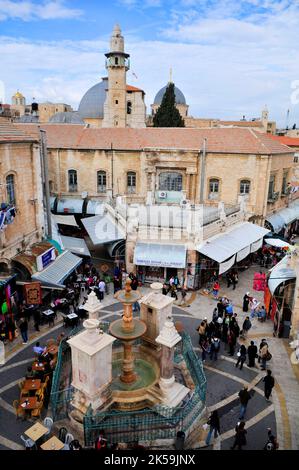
pixel 92 103
pixel 28 118
pixel 68 117
pixel 179 97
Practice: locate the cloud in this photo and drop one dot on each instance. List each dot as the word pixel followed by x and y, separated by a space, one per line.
pixel 29 11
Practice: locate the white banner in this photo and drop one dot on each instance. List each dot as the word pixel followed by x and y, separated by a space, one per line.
pixel 243 253
pixel 223 267
pixel 256 245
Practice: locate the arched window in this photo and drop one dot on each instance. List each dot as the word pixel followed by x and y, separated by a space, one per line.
pixel 102 181
pixel 10 189
pixel 116 60
pixel 170 181
pixel 129 107
pixel 131 182
pixel 244 187
pixel 214 184
pixel 73 185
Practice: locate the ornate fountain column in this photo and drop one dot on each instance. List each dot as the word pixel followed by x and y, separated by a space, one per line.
pixel 91 365
pixel 173 391
pixel 93 306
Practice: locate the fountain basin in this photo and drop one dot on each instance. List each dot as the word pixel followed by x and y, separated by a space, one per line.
pixel 138 329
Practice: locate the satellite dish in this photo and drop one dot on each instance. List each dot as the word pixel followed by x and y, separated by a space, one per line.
pixel 84 194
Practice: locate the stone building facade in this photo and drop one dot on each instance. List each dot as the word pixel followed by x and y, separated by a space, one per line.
pixel 20 179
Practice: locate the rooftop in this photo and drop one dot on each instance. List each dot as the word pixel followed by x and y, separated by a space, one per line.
pixel 219 140
pixel 289 141
pixel 13 133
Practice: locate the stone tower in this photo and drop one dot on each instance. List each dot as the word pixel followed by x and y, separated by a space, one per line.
pixel 265 117
pixel 117 64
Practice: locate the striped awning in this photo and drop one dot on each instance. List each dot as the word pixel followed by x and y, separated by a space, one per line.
pixel 54 274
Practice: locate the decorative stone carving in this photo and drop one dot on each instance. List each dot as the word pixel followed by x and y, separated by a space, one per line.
pixel 93 306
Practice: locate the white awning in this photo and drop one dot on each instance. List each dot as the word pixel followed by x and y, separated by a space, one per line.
pixel 279 274
pixel 277 243
pixel 54 274
pixel 282 218
pixel 224 246
pixel 154 254
pixel 243 253
pixel 65 220
pixel 223 267
pixel 75 245
pixel 103 229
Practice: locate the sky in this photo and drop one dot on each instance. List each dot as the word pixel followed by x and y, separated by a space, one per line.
pixel 229 58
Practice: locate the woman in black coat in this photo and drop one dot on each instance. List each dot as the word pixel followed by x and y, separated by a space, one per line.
pixel 246 299
pixel 240 436
pixel 241 356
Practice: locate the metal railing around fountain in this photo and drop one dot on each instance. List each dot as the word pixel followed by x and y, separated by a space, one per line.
pixel 159 422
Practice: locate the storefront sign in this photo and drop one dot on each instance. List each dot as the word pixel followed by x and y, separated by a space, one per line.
pixel 43 260
pixel 33 293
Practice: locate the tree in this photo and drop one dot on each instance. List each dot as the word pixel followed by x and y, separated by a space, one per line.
pixel 167 114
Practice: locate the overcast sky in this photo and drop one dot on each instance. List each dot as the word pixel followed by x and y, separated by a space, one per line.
pixel 229 58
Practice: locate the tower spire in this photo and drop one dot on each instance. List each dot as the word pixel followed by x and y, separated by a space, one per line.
pixel 170 75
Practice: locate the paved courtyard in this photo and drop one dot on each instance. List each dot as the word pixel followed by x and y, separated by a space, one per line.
pixel 224 380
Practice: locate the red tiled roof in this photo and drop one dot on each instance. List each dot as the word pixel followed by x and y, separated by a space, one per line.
pixel 133 88
pixel 219 140
pixel 286 140
pixel 14 133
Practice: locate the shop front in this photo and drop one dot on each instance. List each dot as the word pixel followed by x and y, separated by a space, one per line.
pixel 286 221
pixel 159 262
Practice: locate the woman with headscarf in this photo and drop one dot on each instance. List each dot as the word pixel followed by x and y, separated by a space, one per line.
pixel 246 300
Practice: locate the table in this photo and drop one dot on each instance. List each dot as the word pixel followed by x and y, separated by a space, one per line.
pixel 32 403
pixel 48 312
pixel 52 444
pixel 32 384
pixel 36 431
pixel 36 366
pixel 53 349
pixel 72 315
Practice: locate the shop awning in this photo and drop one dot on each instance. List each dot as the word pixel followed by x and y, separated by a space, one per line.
pixel 224 246
pixel 75 245
pixel 154 254
pixel 65 220
pixel 54 274
pixel 103 229
pixel 279 274
pixel 284 217
pixel 277 242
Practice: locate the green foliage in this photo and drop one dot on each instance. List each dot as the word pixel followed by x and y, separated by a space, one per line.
pixel 167 114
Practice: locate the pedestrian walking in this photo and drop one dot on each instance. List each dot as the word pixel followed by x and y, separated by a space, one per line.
pixel 204 349
pixel 260 348
pixel 244 397
pixel 252 354
pixel 102 288
pixel 229 279
pixel 265 356
pixel 24 329
pixel 272 443
pixel 235 280
pixel 241 356
pixel 214 423
pixel 216 288
pixel 269 384
pixel 36 319
pixel 202 332
pixel 215 348
pixel 231 341
pixel 183 294
pixel 165 289
pixel 246 327
pixel 246 300
pixel 240 436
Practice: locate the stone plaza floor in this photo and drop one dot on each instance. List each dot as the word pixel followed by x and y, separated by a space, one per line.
pixel 224 380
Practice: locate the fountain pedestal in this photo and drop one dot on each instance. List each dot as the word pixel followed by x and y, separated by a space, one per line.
pixel 91 365
pixel 173 392
pixel 93 306
pixel 154 310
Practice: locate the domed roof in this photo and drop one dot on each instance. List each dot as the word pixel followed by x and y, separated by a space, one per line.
pixel 179 97
pixel 18 95
pixel 67 117
pixel 92 103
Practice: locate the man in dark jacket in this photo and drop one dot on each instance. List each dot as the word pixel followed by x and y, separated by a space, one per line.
pixel 269 384
pixel 244 399
pixel 252 354
pixel 246 327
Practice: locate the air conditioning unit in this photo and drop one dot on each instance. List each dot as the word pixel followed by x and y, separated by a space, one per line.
pixel 162 194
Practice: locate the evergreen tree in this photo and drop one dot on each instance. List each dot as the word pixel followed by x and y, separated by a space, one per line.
pixel 167 114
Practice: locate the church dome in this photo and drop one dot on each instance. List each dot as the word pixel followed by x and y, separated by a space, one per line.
pixel 92 103
pixel 68 117
pixel 179 96
pixel 28 118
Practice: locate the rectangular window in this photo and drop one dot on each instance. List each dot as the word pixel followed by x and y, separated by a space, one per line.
pixel 284 183
pixel 271 187
pixel 102 181
pixel 131 182
pixel 73 185
pixel 116 101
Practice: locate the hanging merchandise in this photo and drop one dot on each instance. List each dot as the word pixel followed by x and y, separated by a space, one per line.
pixel 7 215
pixel 4 308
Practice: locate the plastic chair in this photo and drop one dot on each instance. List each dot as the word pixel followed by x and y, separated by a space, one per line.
pixel 62 434
pixel 28 443
pixel 37 411
pixel 48 422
